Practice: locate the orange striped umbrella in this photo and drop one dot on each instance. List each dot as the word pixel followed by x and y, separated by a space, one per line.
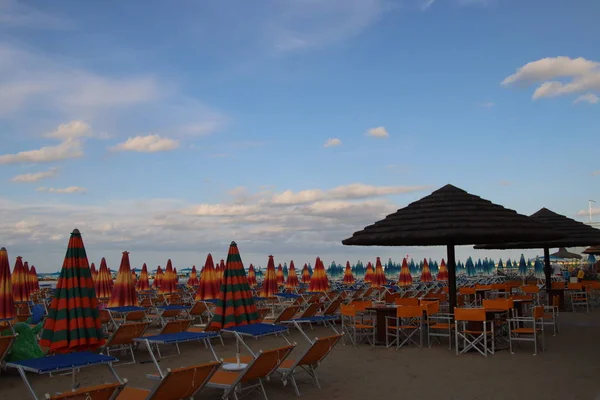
pixel 73 322
pixel 94 273
pixel 123 293
pixel 103 281
pixel 158 277
pixel 348 276
pixel 305 274
pixel 251 276
pixel 19 282
pixel 7 302
pixel 167 282
pixel 292 280
pixel 405 278
pixel 35 283
pixel 193 280
pixel 134 278
pixel 27 277
pixel 426 272
pixel 319 281
pixel 269 283
pixel 176 276
pixel 442 272
pixel 209 287
pixel 235 304
pixel 369 274
pixel 143 284
pixel 378 278
pixel 280 276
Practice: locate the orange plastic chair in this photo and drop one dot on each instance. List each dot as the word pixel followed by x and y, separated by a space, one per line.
pixel 518 332
pixel 355 329
pixel 107 391
pixel 476 339
pixel 404 326
pixel 407 301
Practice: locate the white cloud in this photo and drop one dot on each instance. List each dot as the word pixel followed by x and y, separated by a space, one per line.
pixel 147 144
pixel 379 132
pixel 332 142
pixel 67 190
pixel 588 97
pixel 585 213
pixel 426 4
pixel 71 130
pixel 36 176
pixel 71 148
pixel 16 14
pixel 577 75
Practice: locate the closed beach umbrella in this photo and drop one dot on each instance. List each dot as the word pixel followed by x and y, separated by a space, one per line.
pixel 134 278
pixel 94 273
pixel 158 276
pixel 538 268
pixel 405 278
pixel 522 266
pixel 378 278
pixel 73 322
pixel 235 304
pixel 209 287
pixel 269 283
pixel 143 284
pixel 123 293
pixel 348 276
pixel 305 274
pixel 193 279
pixel 279 275
pixel 103 282
pixel 167 282
pixel 19 282
pixel 7 302
pixel 35 283
pixel 220 271
pixel 369 274
pixel 319 281
pixel 251 276
pixel 292 279
pixel 425 272
pixel 175 276
pixel 442 272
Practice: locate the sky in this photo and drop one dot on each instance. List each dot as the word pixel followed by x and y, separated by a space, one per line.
pixel 169 129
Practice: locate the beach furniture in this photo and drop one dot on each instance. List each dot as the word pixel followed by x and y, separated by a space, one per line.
pixel 198 310
pixel 166 313
pixel 255 331
pixel 438 324
pixel 125 314
pixel 528 329
pixel 287 314
pixel 6 343
pixel 401 328
pixel 123 338
pixel 578 297
pixel 107 391
pixel 250 376
pixel 179 383
pixel 474 330
pixel 72 362
pixel 354 328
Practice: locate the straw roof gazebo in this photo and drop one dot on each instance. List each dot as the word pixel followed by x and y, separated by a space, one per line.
pixel 567 255
pixel 451 217
pixel 594 250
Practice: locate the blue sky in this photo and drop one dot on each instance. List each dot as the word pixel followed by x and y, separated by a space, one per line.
pixel 169 129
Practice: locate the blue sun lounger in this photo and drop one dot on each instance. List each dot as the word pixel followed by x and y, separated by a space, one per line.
pixel 327 320
pixel 255 331
pixel 61 363
pixel 176 339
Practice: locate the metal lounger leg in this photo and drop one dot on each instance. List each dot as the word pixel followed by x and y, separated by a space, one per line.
pixel 24 377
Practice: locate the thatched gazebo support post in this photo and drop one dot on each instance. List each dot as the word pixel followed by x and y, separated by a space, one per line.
pixel 451 277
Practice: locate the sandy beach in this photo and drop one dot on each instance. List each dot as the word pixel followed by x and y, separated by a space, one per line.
pixel 568 369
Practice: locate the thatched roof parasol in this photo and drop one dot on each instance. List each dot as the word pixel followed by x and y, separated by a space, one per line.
pixel 592 250
pixel 563 253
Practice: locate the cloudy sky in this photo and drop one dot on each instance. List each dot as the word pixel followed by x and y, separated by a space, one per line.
pixel 169 129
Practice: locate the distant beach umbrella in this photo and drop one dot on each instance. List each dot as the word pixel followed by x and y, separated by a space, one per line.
pixel 7 302
pixel 319 281
pixel 193 279
pixel 208 287
pixel 522 266
pixel 143 283
pixel 405 278
pixel 175 276
pixel 285 271
pixel 123 293
pixel 33 279
pixel 269 283
pixel 167 281
pixel 425 272
pixel 538 268
pixel 369 273
pixel 442 274
pixel 292 278
pixel 591 259
pixel 94 272
pixel 251 276
pixel 500 266
pixel 348 277
pixel 470 267
pixel 378 277
pixel 103 284
pixel 305 274
pixel 19 282
pixel 279 275
pixel 158 276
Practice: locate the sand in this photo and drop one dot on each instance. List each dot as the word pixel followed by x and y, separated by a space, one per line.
pixel 568 369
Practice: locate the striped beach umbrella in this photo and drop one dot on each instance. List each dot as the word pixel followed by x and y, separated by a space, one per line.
pixel 175 276
pixel 319 281
pixel 26 271
pixel 143 284
pixel 167 282
pixel 158 276
pixel 7 302
pixel 280 276
pixel 73 322
pixel 35 283
pixel 292 278
pixel 426 272
pixel 123 293
pixel 193 279
pixel 378 278
pixel 442 272
pixel 103 283
pixel 369 274
pixel 269 283
pixel 19 282
pixel 305 274
pixel 405 278
pixel 348 276
pixel 220 269
pixel 235 304
pixel 94 273
pixel 209 287
pixel 251 276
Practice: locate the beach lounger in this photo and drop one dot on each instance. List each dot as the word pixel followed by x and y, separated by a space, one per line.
pixel 199 309
pixel 286 314
pixel 180 383
pixel 175 326
pixel 107 391
pixel 123 338
pixel 6 343
pixel 256 331
pixel 251 377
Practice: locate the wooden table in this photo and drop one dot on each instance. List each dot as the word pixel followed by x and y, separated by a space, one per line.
pixel 380 313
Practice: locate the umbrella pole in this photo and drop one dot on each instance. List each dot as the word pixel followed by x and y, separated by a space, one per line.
pixel 451 277
pixel 548 271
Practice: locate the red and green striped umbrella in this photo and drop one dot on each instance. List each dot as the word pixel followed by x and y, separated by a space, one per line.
pixel 251 276
pixel 369 274
pixel 378 278
pixel 279 275
pixel 19 282
pixel 142 283
pixel 319 281
pixel 220 271
pixel 426 272
pixel 103 283
pixel 348 276
pixel 158 277
pixel 123 293
pixel 269 283
pixel 167 282
pixel 442 272
pixel 193 280
pixel 35 283
pixel 7 302
pixel 405 278
pixel 292 279
pixel 305 274
pixel 73 322
pixel 235 305
pixel 209 287
pixel 94 273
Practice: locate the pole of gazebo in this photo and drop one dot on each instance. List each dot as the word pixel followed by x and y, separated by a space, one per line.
pixel 547 271
pixel 451 277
